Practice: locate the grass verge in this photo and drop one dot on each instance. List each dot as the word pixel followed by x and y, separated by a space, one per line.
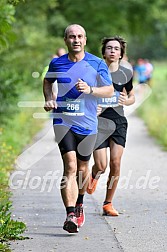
pixel 153 111
pixel 15 134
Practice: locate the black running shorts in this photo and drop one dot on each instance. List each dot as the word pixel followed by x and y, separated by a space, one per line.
pixel 115 130
pixel 68 140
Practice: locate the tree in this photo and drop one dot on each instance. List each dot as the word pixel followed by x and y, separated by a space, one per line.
pixel 129 18
pixel 7 19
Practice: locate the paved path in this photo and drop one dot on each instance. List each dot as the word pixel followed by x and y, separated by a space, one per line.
pixel 142 194
pixel 141 199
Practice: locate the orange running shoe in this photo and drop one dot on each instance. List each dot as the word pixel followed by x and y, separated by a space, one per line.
pixel 92 185
pixel 109 210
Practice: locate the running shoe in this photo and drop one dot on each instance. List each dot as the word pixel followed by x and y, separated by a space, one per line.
pixel 109 210
pixel 92 185
pixel 71 225
pixel 80 214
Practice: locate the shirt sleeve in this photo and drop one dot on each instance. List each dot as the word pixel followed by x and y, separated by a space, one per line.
pixel 129 76
pixel 129 85
pixel 103 75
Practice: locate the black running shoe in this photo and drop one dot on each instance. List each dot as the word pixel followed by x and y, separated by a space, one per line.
pixel 71 225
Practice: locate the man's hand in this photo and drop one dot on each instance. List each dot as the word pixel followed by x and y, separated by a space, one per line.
pixel 49 105
pixel 82 86
pixel 99 110
pixel 122 99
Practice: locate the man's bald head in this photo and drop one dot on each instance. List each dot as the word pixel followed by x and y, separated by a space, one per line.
pixel 70 27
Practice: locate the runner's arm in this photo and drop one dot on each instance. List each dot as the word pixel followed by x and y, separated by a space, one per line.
pixel 48 94
pixel 103 91
pixel 125 99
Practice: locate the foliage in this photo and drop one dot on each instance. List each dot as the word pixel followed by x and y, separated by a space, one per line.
pixel 106 18
pixel 13 136
pixel 38 31
pixel 14 2
pixel 153 110
pixel 26 55
pixel 9 88
pixel 7 19
pixel 4 247
pixel 7 155
pixel 9 228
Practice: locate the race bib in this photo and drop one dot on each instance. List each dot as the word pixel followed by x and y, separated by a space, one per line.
pixel 109 102
pixel 73 107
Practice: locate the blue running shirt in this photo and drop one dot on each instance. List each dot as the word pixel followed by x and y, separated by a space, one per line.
pixel 76 109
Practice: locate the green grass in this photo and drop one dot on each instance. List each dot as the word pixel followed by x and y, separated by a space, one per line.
pixel 154 110
pixel 15 134
pixel 160 71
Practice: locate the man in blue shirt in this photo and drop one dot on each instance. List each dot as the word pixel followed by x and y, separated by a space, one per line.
pixel 82 78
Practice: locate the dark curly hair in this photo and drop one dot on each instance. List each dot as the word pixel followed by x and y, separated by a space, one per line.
pixel 117 38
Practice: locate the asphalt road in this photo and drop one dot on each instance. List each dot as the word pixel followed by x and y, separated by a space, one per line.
pixel 141 199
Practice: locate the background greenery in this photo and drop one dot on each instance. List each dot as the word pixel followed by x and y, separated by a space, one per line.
pixel 153 110
pixel 31 31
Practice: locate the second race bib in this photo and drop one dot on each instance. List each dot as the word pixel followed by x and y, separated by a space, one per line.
pixel 109 102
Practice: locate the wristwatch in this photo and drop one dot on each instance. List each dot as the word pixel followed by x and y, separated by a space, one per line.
pixel 91 90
